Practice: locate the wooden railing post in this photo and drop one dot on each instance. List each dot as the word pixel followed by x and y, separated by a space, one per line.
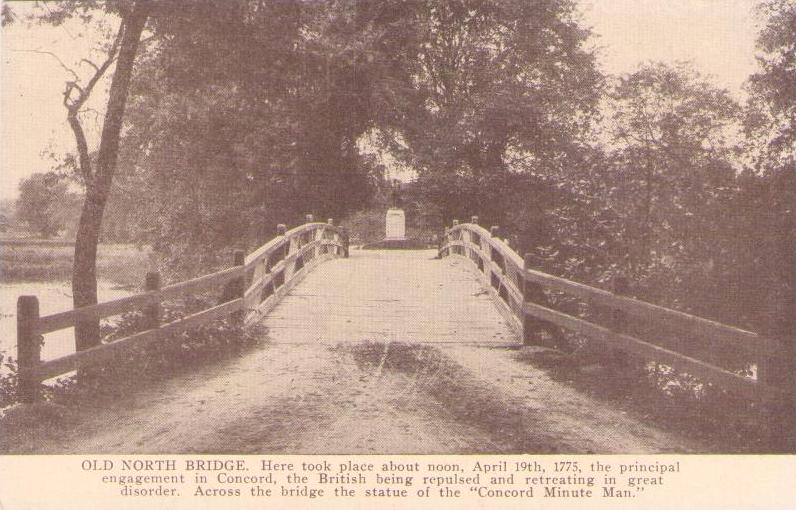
pixel 236 288
pixel 152 311
pixel 327 247
pixel 533 292
pixel 238 285
pixel 780 415
pixel 474 220
pixel 530 325
pixel 618 358
pixel 779 370
pixel 281 230
pixel 28 348
pixel 494 232
pixel 618 320
pixel 456 249
pixel 312 235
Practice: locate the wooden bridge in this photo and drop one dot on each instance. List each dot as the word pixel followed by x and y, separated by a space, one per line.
pixel 309 288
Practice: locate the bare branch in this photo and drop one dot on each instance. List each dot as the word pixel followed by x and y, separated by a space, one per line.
pixel 89 62
pixel 100 71
pixel 53 55
pixel 74 104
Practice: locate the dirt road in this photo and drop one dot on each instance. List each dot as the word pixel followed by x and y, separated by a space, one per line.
pixel 426 374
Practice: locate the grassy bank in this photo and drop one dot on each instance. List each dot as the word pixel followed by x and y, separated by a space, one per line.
pixel 122 264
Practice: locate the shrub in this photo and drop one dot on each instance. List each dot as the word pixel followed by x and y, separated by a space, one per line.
pixel 8 380
pixel 223 338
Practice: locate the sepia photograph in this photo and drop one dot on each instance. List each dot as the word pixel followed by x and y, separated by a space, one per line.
pixel 423 227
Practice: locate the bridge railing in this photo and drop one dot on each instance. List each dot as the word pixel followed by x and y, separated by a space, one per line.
pixel 519 291
pixel 253 286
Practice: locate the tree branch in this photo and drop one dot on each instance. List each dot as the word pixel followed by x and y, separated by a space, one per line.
pixel 56 57
pixel 89 62
pixel 74 105
pixel 100 71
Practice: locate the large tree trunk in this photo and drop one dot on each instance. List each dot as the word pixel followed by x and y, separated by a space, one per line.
pixel 84 274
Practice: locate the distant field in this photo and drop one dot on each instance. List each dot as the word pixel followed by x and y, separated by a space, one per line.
pixel 22 241
pixel 121 264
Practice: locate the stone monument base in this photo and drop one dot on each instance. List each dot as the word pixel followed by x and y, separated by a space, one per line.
pixel 395 234
pixel 397 244
pixel 395 224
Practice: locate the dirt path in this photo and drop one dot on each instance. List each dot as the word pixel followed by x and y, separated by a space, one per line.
pixel 394 385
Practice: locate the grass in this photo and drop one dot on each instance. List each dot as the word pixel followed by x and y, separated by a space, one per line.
pixel 720 422
pixel 122 264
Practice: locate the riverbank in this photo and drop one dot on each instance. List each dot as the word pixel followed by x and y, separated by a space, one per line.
pixel 123 265
pixel 45 271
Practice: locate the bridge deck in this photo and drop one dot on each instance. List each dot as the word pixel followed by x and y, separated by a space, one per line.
pixel 384 352
pixel 405 296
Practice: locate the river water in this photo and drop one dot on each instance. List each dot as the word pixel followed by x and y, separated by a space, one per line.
pixel 53 297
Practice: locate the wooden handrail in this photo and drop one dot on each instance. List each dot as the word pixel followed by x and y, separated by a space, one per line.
pixel 57 321
pixel 738 384
pixel 275 243
pixel 298 250
pixel 737 338
pixel 107 351
pixel 499 262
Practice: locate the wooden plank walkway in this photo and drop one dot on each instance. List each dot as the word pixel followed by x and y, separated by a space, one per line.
pixel 385 352
pixel 393 296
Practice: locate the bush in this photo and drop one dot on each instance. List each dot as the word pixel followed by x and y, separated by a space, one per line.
pixel 8 380
pixel 221 339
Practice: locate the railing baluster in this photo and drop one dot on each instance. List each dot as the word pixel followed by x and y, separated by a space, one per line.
pixel 619 359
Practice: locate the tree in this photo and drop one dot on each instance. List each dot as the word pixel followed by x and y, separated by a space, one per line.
pixel 493 82
pixel 248 115
pixel 671 132
pixel 96 171
pixel 774 86
pixel 771 129
pixel 40 197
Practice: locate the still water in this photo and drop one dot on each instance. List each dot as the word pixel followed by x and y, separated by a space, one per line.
pixel 53 297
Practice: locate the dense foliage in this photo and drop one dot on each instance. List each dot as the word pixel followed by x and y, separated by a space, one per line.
pixel 244 114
